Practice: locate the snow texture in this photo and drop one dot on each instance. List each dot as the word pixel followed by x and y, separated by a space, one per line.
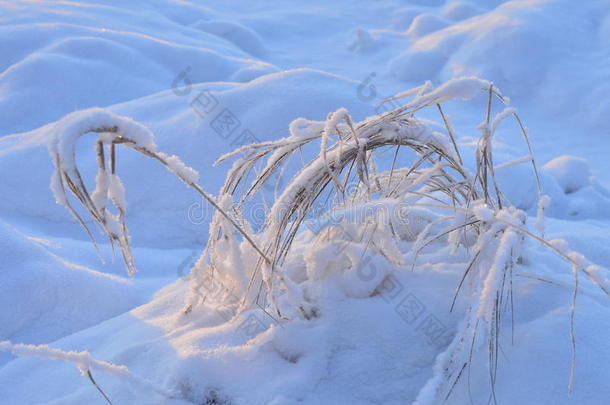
pixel 376 282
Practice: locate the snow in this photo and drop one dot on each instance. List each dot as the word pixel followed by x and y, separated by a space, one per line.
pixel 483 213
pixel 463 88
pixel 193 81
pixel 82 360
pixel 32 284
pixel 424 24
pixel 176 165
pixel 570 172
pixel 460 10
pixel 493 281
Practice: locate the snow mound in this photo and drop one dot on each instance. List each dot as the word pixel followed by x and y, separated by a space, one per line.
pixel 45 297
pixel 63 64
pixel 571 173
pixel 460 10
pixel 574 193
pixel 243 37
pixel 424 24
pixel 530 48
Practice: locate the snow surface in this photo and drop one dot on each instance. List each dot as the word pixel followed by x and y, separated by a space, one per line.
pixel 173 66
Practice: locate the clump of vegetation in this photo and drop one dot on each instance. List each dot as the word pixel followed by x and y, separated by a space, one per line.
pixel 445 201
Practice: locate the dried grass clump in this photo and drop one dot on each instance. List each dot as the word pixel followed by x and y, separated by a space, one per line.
pixel 346 171
pixel 347 157
pixel 436 178
pixel 112 130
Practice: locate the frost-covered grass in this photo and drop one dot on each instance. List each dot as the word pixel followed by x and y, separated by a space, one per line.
pixel 402 257
pixel 114 130
pixel 85 363
pixel 426 196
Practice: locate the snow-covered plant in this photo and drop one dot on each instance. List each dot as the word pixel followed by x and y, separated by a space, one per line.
pixel 85 363
pixel 112 130
pixel 467 209
pixel 427 191
pixel 436 174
